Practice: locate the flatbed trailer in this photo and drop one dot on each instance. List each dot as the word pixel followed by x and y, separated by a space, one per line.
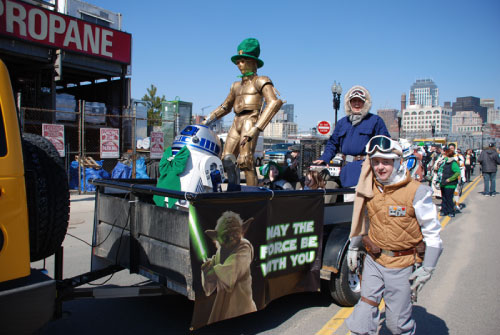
pixel 131 232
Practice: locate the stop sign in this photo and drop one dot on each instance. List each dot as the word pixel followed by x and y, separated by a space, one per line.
pixel 323 127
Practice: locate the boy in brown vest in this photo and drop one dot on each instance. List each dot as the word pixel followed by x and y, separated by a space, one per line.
pixel 393 215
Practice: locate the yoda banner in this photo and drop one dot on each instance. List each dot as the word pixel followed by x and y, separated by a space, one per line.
pixel 246 253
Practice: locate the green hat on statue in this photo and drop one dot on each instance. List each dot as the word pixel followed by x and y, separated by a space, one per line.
pixel 249 48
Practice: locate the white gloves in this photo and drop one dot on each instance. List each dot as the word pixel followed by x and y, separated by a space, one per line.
pixel 420 276
pixel 353 252
pixel 352 258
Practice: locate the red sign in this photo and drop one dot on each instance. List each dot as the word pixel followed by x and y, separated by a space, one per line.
pixel 324 127
pixel 55 134
pixel 157 146
pixel 110 143
pixel 36 24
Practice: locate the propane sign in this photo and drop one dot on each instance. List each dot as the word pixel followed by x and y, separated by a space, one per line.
pixel 24 21
pixel 157 146
pixel 55 134
pixel 324 127
pixel 110 143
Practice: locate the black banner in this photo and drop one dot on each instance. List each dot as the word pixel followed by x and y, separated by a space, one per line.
pixel 246 253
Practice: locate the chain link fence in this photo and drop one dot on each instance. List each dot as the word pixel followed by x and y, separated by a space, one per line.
pixel 80 145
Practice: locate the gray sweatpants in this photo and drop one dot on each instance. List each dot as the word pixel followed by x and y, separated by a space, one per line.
pixel 391 284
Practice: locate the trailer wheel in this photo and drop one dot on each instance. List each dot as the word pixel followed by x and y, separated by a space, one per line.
pixel 47 195
pixel 345 286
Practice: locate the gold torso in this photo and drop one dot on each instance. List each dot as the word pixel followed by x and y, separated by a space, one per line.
pixel 247 93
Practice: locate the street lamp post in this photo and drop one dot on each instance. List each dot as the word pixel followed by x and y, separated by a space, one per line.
pixel 203 112
pixel 336 91
pixel 399 116
pixel 203 109
pixel 483 126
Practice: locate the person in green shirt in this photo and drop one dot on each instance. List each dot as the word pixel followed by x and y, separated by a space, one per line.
pixel 449 181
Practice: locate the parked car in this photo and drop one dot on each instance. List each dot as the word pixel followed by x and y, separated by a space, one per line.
pixel 278 153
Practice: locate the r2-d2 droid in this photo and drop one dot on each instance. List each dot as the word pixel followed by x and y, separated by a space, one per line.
pixel 203 171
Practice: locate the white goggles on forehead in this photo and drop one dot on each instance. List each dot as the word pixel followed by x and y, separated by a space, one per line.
pixel 382 144
pixel 357 94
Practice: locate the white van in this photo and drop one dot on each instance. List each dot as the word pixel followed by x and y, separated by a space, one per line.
pixel 259 149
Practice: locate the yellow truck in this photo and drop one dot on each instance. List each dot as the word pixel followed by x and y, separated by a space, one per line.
pixel 34 213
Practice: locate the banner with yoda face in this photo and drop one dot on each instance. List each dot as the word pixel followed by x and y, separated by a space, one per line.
pixel 246 253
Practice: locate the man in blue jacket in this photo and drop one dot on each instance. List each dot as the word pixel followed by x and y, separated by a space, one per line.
pixel 352 133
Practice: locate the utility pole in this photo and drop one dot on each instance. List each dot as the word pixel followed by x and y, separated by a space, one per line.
pixel 203 109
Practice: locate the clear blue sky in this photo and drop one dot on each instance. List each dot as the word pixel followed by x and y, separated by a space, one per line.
pixel 184 48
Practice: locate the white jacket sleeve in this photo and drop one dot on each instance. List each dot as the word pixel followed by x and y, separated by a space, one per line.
pixel 426 214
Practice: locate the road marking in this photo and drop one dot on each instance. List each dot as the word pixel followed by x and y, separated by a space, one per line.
pixel 470 184
pixel 338 319
pixel 464 190
pixel 470 187
pixel 462 198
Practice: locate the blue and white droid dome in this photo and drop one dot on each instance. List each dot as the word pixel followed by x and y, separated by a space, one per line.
pixel 197 137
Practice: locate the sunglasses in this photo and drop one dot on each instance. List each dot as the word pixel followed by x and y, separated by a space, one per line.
pixel 380 143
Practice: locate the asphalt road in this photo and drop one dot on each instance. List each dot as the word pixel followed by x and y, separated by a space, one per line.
pixel 463 297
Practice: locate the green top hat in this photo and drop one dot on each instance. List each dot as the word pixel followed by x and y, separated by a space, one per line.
pixel 249 48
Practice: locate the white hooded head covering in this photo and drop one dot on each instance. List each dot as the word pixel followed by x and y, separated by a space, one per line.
pixel 399 171
pixel 361 92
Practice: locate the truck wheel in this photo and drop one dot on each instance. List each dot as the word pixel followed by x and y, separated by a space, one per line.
pixel 47 195
pixel 345 286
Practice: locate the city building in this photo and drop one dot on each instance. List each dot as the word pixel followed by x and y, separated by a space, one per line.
pixel 288 111
pixel 466 122
pixel 280 129
pixel 218 126
pixel 390 117
pixel 490 134
pixel 90 13
pixel 282 125
pixel 280 116
pixel 470 104
pixel 418 120
pixel 488 103
pixel 198 119
pixel 493 115
pixel 423 116
pixel 425 92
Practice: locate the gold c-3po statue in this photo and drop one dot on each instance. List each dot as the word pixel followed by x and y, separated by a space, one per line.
pixel 246 97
